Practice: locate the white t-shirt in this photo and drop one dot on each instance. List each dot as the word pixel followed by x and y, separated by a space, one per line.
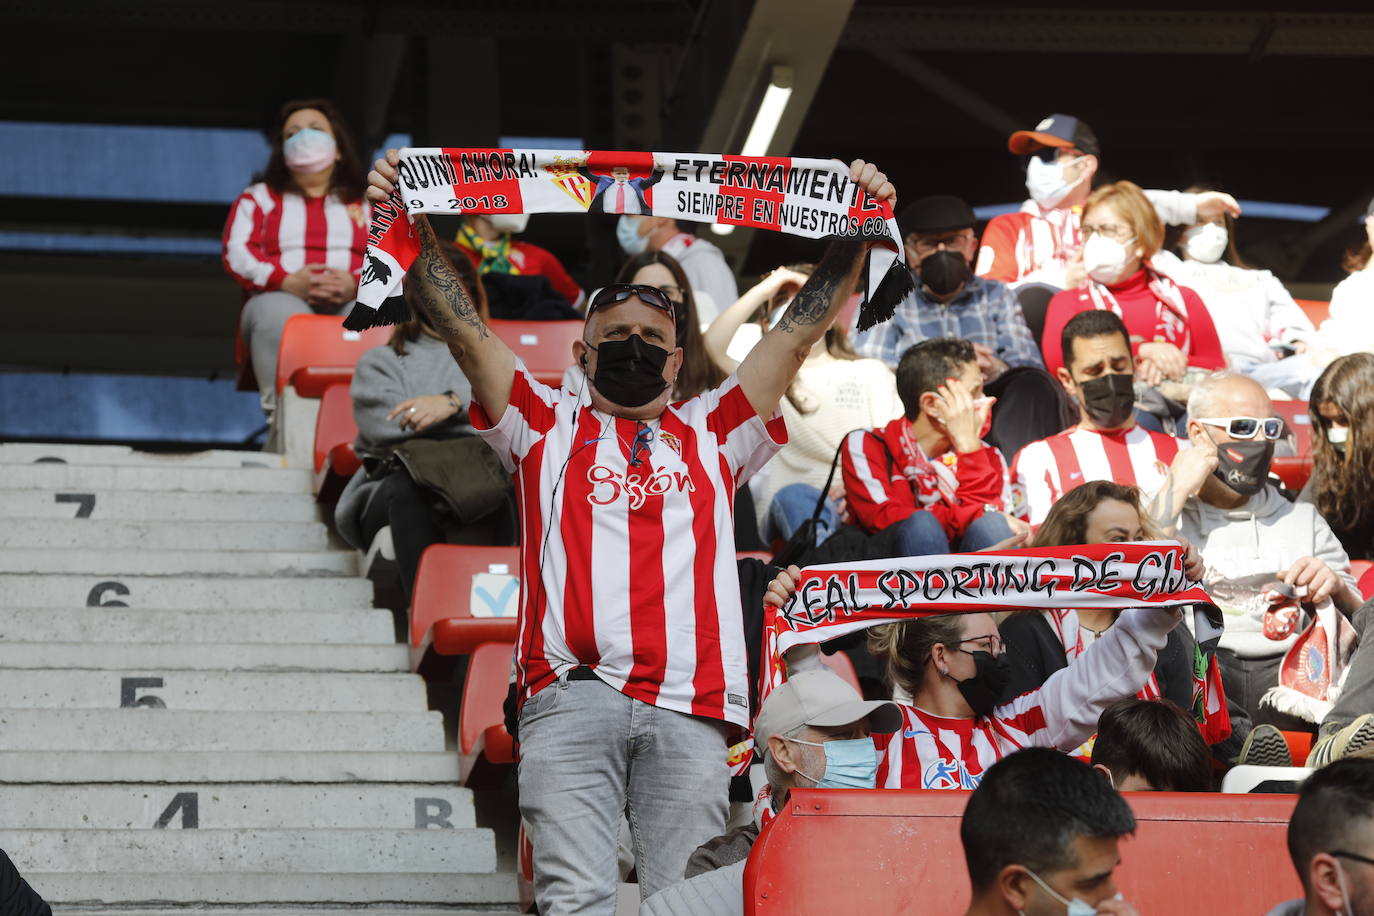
pixel 847 394
pixel 1250 308
pixel 1350 327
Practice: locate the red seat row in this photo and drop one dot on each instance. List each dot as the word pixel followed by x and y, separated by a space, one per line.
pixel 899 852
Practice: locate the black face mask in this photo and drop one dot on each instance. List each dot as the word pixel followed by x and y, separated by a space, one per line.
pixel 1244 466
pixel 983 691
pixel 1108 399
pixel 629 372
pixel 944 271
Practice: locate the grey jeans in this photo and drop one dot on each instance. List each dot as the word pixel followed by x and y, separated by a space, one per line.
pixel 588 753
pixel 262 320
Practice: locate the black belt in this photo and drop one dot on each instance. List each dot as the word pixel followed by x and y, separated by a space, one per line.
pixel 582 673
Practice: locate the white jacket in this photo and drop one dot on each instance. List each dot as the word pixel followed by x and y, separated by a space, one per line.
pixel 1252 545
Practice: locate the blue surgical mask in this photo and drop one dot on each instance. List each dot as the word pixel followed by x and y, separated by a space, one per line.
pixel 849 764
pixel 1074 907
pixel 627 234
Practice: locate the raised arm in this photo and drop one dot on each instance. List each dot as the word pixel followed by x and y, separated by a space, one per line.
pixel 436 289
pixel 770 367
pixel 718 336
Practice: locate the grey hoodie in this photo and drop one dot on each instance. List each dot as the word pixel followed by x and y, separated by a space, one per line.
pixel 1250 546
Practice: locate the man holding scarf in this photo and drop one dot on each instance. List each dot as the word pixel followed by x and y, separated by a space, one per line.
pixel 630 665
pixel 949 301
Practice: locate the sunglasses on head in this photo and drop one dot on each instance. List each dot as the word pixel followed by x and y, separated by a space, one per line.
pixel 616 293
pixel 1246 427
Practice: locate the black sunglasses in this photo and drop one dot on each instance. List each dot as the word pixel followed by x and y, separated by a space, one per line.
pixel 617 293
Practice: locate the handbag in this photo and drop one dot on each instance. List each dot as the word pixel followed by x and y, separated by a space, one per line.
pixel 465 473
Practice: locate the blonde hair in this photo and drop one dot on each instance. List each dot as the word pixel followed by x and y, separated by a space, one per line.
pixel 906 646
pixel 1131 204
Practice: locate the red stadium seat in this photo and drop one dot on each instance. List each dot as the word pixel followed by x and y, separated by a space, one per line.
pixel 320 343
pixel 481 718
pixel 545 346
pixel 899 852
pixel 446 584
pixel 1294 413
pixel 1317 310
pixel 1365 579
pixel 1299 746
pixel 335 460
pixel 1293 470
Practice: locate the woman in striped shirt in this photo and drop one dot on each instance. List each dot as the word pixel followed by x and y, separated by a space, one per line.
pixel 295 238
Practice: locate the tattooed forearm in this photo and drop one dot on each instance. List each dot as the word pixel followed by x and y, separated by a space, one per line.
pixel 817 302
pixel 440 294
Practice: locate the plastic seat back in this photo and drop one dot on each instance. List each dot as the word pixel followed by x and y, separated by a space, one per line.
pixel 1366 582
pixel 320 341
pixel 1293 470
pixel 1317 310
pixel 1295 414
pixel 484 697
pixel 545 346
pixel 334 424
pixel 466 595
pixel 899 852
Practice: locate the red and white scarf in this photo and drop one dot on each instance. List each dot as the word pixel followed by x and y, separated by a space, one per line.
pixel 1171 312
pixel 1314 668
pixel 813 198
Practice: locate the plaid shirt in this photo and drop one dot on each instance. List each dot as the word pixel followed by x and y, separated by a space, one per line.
pixel 986 312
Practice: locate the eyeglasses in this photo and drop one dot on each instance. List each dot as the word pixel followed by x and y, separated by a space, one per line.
pixel 1108 230
pixel 617 293
pixel 925 246
pixel 1341 853
pixel 1246 427
pixel 992 645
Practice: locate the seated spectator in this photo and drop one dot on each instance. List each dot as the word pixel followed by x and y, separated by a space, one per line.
pixel 412 388
pixel 1040 835
pixel 1039 643
pixel 1107 443
pixel 835 391
pixel 295 238
pixel 1036 250
pixel 954 726
pixel 489 240
pixel 1254 540
pixel 1350 326
pixel 755 311
pixel 702 262
pixel 1255 316
pixel 1151 746
pixel 1169 326
pixel 926 479
pixel 1342 481
pixel 948 301
pixel 1331 840
pixel 813 731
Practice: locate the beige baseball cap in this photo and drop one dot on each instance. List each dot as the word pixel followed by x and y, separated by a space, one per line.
pixel 823 699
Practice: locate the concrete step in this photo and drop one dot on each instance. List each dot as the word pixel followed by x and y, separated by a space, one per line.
pixel 133 625
pixel 175 766
pixel 46 452
pixel 149 888
pixel 232 852
pixel 164 657
pixel 148 729
pixel 67 688
pixel 229 806
pixel 242 593
pixel 84 477
pixel 128 505
pixel 88 533
pixel 132 562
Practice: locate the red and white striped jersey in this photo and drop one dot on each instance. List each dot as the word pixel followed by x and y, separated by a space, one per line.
pixel 628 550
pixel 270 235
pixel 1049 468
pixel 936 752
